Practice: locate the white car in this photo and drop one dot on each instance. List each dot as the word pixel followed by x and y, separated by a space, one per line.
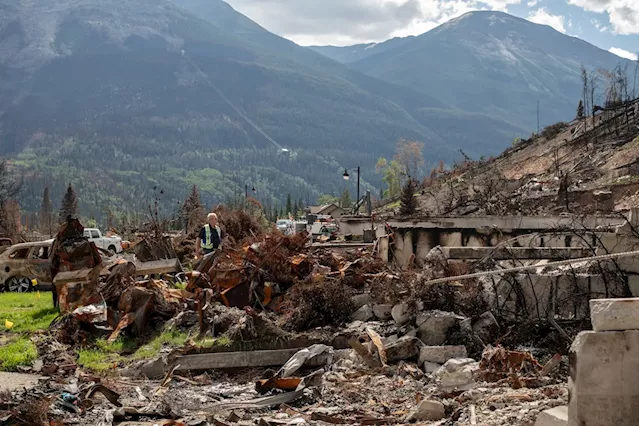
pixel 111 244
pixel 283 224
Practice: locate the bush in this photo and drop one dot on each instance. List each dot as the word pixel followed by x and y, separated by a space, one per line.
pixel 552 131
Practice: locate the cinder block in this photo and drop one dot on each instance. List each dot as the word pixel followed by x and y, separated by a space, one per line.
pixel 603 386
pixel 614 314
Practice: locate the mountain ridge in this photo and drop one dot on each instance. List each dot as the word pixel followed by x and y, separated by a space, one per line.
pixel 497 56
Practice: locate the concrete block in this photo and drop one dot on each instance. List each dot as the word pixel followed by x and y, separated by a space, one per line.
pixel 433 326
pixel 359 300
pixel 403 348
pixel 430 367
pixel 441 354
pixel 401 313
pixel 365 313
pixel 428 410
pixel 382 312
pixel 614 314
pixel 628 264
pixel 556 416
pixel 457 373
pixel 603 385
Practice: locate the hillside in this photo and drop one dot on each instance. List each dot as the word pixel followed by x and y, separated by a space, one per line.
pixel 572 167
pixel 494 63
pixel 105 95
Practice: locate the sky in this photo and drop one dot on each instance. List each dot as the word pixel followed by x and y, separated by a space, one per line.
pixel 609 24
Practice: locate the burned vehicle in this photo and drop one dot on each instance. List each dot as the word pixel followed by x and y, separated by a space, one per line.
pixel 24 265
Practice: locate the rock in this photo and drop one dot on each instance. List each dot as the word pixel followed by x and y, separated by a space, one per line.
pixel 404 348
pixel 556 416
pixel 441 354
pixel 154 369
pixel 401 313
pixel 382 312
pixel 430 367
pixel 433 326
pixel 457 373
pixel 359 300
pixel 486 327
pixel 427 410
pixel 614 314
pixel 363 314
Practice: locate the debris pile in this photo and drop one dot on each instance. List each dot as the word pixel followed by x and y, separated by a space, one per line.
pixel 366 343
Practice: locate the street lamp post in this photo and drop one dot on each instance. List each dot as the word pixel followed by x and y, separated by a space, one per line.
pixel 345 175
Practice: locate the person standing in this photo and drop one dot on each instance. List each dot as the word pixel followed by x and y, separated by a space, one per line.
pixel 210 236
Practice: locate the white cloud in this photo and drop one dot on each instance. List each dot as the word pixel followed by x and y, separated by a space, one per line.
pixel 542 16
pixel 623 53
pixel 532 3
pixel 623 14
pixel 345 22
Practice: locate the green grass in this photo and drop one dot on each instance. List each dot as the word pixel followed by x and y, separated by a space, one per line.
pixel 20 351
pixel 104 355
pixel 27 311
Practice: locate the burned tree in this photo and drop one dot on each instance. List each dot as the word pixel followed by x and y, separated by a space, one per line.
pixel 408 202
pixel 69 206
pixel 190 206
pixel 580 112
pixel 46 218
pixel 9 188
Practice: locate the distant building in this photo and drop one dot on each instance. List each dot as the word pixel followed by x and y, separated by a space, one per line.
pixel 329 210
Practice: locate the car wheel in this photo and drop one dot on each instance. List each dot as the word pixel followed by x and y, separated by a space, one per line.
pixel 19 284
pixel 112 250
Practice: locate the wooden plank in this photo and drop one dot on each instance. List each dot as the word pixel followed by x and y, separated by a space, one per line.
pixel 163 266
pixel 223 360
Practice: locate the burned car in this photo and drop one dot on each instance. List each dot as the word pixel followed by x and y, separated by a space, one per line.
pixel 23 265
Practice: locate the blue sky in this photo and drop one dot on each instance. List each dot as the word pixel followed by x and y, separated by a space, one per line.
pixel 609 24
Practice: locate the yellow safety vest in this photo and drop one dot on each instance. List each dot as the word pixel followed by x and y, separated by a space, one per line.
pixel 207 244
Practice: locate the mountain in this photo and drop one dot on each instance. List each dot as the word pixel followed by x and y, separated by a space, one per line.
pixel 136 100
pixel 493 63
pixel 349 54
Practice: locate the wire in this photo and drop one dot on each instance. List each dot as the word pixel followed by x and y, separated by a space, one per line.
pixel 236 109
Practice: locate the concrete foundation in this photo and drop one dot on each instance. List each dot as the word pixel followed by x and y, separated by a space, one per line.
pixel 603 387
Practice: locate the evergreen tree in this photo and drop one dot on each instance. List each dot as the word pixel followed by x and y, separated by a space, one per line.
pixel 46 213
pixel 295 209
pixel 580 113
pixel 288 205
pixel 345 199
pixel 191 204
pixel 69 206
pixel 407 200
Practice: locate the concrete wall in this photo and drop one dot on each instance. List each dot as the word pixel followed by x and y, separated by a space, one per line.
pixel 539 296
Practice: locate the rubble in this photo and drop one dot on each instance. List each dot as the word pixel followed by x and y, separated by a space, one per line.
pixel 356 341
pixel 441 354
pixel 427 410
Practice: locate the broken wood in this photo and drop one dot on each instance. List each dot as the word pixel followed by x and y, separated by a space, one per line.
pixel 221 360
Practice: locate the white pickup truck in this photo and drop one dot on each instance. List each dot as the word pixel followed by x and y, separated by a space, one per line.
pixel 112 244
